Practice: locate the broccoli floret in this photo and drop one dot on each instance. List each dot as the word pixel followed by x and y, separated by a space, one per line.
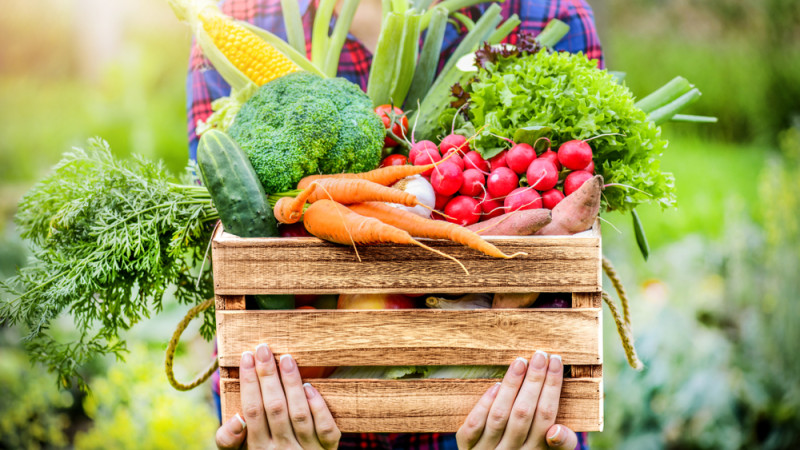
pixel 302 124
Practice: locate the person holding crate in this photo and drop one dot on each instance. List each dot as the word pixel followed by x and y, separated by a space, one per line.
pixel 282 412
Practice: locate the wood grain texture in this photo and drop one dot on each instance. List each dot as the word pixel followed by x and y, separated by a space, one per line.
pixel 426 406
pixel 312 266
pixel 412 336
pixel 586 299
pixel 586 371
pixel 229 302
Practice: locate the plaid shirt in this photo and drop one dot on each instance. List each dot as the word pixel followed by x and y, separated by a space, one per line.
pixel 204 84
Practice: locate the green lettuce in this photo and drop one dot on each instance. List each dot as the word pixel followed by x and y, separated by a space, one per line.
pixel 567 97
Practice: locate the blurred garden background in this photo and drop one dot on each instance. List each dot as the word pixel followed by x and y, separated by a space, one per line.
pixel 715 308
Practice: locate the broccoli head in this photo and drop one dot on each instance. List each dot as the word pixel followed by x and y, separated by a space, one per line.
pixel 302 124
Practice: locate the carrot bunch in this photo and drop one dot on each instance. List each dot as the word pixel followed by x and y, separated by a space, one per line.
pixel 353 209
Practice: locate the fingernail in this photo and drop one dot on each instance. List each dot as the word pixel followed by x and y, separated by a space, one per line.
pixel 555 364
pixel 493 390
pixel 556 438
pixel 247 360
pixel 539 360
pixel 310 391
pixel 519 365
pixel 262 353
pixel 237 424
pixel 287 362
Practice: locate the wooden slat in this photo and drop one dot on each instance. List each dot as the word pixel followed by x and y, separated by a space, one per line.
pixel 397 406
pixel 586 371
pixel 412 336
pixel 586 299
pixel 229 302
pixel 313 266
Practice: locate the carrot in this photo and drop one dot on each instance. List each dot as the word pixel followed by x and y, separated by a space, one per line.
pixel 334 222
pixel 578 211
pixel 385 176
pixel 522 222
pixel 434 229
pixel 290 209
pixel 349 191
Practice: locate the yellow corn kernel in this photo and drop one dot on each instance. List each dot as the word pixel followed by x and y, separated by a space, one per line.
pixel 254 57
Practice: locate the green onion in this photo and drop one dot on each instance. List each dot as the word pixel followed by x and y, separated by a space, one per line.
pixel 406 58
pixel 666 112
pixel 504 30
pixel 294 25
pixel 641 238
pixel 338 37
pixel 483 28
pixel 693 119
pixel 469 24
pixel 553 32
pixel 429 58
pixel 319 38
pixel 451 6
pixel 664 95
pixel 381 74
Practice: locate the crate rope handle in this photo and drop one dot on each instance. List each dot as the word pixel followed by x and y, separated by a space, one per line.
pixel 173 344
pixel 623 321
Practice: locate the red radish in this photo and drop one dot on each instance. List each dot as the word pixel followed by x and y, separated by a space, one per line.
pixel 473 182
pixel 551 198
pixel 426 156
pixel 575 180
pixel 293 230
pixel 501 182
pixel 454 142
pixel 491 207
pixel 441 201
pixel 589 168
pixel 498 160
pixel 474 160
pixel 550 155
pixel 520 157
pixel 463 210
pixel 542 174
pixel 575 155
pixel 394 160
pixel 418 147
pixel 522 198
pixel 446 178
pixel 455 159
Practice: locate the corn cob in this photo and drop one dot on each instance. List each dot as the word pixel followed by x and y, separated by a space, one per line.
pixel 251 55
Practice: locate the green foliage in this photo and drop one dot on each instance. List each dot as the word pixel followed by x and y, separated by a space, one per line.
pixel 134 408
pixel 33 411
pixel 301 124
pixel 108 238
pixel 568 93
pixel 719 335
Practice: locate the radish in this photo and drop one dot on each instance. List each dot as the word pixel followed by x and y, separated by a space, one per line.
pixel 441 201
pixel 455 159
pixel 589 168
pixel 474 160
pixel 522 198
pixel 473 182
pixel 551 198
pixel 575 155
pixel 426 156
pixel 575 180
pixel 552 156
pixel 491 207
pixel 501 182
pixel 418 147
pixel 446 178
pixel 498 160
pixel 520 157
pixel 542 174
pixel 463 210
pixel 454 142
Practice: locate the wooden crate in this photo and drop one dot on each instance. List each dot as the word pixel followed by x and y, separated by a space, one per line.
pixel 417 336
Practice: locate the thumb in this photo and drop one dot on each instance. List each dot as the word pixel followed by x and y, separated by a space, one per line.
pixel 560 437
pixel 230 436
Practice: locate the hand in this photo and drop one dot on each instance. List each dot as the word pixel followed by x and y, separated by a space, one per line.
pixel 279 412
pixel 520 412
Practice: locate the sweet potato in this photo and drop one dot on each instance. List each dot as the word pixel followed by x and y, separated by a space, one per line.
pixel 578 211
pixel 524 300
pixel 523 222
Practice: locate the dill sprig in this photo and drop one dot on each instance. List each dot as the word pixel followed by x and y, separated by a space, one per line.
pixel 109 238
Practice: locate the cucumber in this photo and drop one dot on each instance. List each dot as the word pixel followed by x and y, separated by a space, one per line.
pixel 234 187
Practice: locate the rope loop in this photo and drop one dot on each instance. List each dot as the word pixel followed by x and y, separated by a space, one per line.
pixel 173 344
pixel 623 321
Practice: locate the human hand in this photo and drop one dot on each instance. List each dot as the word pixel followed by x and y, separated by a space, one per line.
pixel 520 412
pixel 280 412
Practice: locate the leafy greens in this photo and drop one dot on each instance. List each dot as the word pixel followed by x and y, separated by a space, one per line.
pixel 108 237
pixel 567 95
